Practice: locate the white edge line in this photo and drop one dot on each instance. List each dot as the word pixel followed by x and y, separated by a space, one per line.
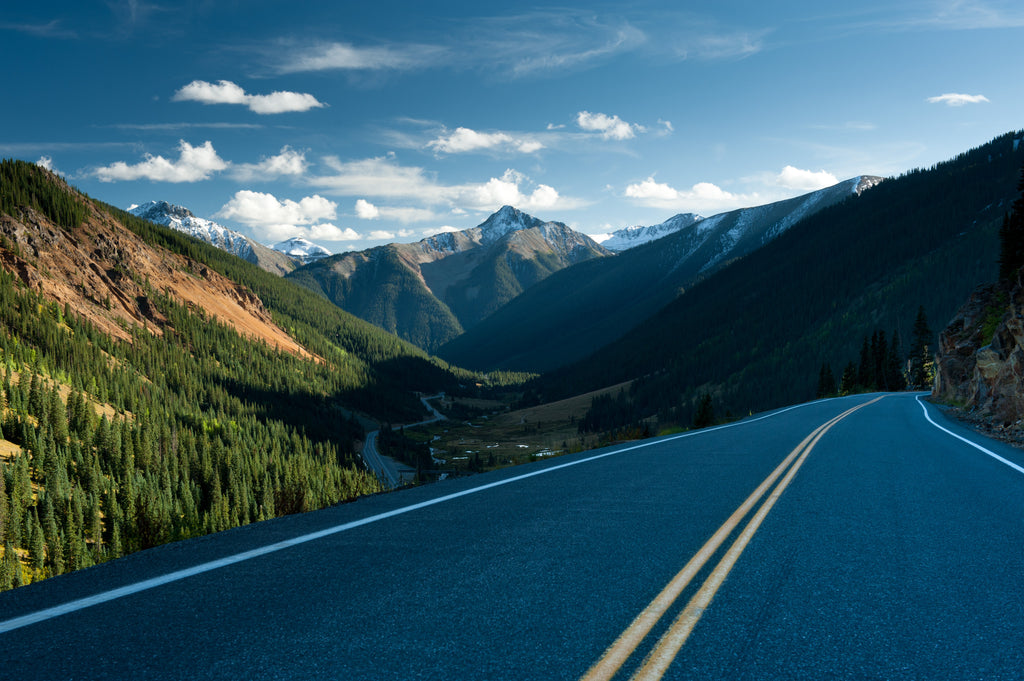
pixel 995 456
pixel 128 590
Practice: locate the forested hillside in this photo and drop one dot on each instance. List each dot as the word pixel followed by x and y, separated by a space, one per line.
pixel 132 417
pixel 757 334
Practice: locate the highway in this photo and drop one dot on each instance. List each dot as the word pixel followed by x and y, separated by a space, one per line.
pixel 855 538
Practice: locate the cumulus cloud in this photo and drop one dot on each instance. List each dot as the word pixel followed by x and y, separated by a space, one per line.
pixel 956 99
pixel 703 197
pixel 193 164
pixel 805 180
pixel 276 219
pixel 45 162
pixel 226 92
pixel 610 127
pixel 366 210
pixel 465 139
pixel 287 163
pixel 328 232
pixel 507 191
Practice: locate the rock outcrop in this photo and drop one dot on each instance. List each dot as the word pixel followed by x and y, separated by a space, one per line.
pixel 980 361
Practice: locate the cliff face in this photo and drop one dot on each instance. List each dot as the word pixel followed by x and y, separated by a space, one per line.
pixel 980 359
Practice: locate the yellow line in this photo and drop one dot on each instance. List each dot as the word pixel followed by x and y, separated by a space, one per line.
pixel 623 647
pixel 672 641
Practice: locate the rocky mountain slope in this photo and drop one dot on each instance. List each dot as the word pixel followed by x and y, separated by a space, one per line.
pixel 979 364
pixel 103 271
pixel 236 243
pixel 430 291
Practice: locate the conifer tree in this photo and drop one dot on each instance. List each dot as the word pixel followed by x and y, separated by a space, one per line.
pixel 705 415
pixel 920 353
pixel 826 381
pixel 1011 238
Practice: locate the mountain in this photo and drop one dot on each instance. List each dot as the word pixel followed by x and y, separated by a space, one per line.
pixel 629 237
pixel 756 334
pixel 577 310
pixel 430 291
pixel 236 243
pixel 154 387
pixel 301 250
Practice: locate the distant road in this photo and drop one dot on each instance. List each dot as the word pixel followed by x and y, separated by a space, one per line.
pixel 385 468
pixel 848 538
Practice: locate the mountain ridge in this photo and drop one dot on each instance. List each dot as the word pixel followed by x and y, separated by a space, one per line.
pixel 236 243
pixel 580 309
pixel 431 290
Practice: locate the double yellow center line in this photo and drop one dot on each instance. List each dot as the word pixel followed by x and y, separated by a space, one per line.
pixel 668 646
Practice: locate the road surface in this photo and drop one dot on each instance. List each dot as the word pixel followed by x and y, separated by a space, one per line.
pixel 820 541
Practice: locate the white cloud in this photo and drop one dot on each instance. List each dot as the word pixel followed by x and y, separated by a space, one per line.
pixel 276 219
pixel 383 177
pixel 226 92
pixel 431 231
pixel 956 99
pixel 287 162
pixel 381 235
pixel 805 180
pixel 366 210
pixel 703 197
pixel 45 162
pixel 505 191
pixel 325 231
pixel 193 164
pixel 610 127
pixel 465 139
pixel 348 57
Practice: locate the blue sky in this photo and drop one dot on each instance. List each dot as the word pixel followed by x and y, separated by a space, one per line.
pixel 355 124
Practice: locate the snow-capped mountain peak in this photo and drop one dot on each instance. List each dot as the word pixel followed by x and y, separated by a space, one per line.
pixel 301 249
pixel 182 219
pixel 629 237
pixel 507 219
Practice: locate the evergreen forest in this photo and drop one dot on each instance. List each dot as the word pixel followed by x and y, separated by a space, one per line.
pixel 108 447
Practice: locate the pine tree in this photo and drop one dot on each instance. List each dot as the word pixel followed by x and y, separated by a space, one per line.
pixel 826 381
pixel 848 383
pixel 920 359
pixel 705 415
pixel 1011 238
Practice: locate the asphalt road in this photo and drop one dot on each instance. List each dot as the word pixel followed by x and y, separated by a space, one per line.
pixel 883 549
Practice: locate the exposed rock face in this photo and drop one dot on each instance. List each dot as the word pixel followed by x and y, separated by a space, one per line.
pixel 104 272
pixel 979 369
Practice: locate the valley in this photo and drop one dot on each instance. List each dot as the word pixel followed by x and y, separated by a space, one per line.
pixel 233 392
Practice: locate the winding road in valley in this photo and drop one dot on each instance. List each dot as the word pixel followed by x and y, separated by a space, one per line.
pixel 865 537
pixel 387 470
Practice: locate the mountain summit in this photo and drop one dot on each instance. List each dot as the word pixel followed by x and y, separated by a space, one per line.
pixel 302 250
pixel 507 219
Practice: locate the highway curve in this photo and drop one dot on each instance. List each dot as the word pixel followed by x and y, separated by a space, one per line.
pixel 848 538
